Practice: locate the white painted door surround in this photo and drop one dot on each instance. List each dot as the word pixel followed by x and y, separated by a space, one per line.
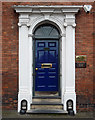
pixel 63 17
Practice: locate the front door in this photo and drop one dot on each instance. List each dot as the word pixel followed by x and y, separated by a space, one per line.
pixel 46 65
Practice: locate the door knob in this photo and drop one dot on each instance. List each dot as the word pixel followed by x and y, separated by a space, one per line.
pixel 36 68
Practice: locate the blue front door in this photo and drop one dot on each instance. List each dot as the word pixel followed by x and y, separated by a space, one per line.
pixel 46 65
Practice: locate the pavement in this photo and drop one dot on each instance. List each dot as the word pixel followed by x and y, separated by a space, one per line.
pixel 15 114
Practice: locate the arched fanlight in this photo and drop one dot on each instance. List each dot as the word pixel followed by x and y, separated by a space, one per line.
pixel 46 31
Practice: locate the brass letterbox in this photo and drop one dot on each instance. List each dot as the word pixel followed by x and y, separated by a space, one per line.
pixel 46 65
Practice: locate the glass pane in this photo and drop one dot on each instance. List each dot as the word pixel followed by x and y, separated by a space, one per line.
pixel 46 30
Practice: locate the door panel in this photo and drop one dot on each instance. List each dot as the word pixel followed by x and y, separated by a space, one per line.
pixel 46 54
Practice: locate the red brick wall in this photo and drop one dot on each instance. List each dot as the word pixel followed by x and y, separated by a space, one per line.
pixel 84 46
pixel 0 51
pixel 9 56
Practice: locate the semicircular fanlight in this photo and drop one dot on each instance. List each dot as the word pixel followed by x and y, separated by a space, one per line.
pixel 46 31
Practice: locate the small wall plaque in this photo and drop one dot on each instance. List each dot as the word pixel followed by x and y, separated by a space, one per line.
pixel 80 58
pixel 80 65
pixel 80 61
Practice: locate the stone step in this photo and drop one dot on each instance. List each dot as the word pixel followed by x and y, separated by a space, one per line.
pixel 48 111
pixel 44 97
pixel 46 106
pixel 46 103
pixel 46 93
pixel 46 100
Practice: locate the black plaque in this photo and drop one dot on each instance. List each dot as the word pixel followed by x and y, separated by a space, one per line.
pixel 80 65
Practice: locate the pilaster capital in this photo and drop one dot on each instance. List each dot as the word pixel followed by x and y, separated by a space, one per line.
pixel 24 20
pixel 70 24
pixel 69 20
pixel 23 24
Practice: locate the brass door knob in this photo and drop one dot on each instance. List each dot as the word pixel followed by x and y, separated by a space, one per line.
pixel 36 68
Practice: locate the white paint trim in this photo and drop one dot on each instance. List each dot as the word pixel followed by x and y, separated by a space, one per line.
pixel 64 18
pixel 47 9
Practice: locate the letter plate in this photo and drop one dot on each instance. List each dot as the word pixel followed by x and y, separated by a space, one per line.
pixel 46 65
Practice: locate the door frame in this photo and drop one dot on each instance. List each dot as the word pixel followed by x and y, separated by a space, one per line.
pixel 64 17
pixel 34 41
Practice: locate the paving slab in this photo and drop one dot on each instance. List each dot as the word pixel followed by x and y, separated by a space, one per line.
pixel 15 114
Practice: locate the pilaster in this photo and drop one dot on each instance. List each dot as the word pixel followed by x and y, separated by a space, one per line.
pixel 24 79
pixel 69 25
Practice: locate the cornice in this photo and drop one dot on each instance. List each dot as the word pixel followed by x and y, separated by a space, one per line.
pixel 47 9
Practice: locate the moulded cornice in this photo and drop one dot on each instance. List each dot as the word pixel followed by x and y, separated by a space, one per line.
pixel 47 9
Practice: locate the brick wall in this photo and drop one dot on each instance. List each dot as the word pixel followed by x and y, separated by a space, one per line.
pixel 0 52
pixel 9 56
pixel 84 46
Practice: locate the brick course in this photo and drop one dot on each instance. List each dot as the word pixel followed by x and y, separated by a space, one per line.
pixel 84 46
